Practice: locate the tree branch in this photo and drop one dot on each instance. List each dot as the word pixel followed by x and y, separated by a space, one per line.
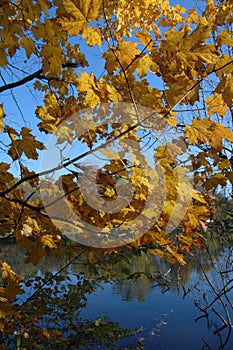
pixel 97 148
pixel 23 81
pixel 38 75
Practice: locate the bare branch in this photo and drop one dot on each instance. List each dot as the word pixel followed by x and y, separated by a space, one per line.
pixel 23 81
pixel 36 75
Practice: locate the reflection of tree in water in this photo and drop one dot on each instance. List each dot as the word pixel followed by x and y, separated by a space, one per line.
pixel 214 299
pixel 16 259
pixel 207 278
pixel 141 273
pixel 215 303
pixel 48 315
pixel 134 276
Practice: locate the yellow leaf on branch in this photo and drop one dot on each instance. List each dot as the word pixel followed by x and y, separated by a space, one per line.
pixel 78 14
pixel 2 115
pixel 48 241
pixel 216 105
pixel 202 131
pixel 92 36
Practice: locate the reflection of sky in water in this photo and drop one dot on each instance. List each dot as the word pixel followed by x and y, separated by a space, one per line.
pixel 168 319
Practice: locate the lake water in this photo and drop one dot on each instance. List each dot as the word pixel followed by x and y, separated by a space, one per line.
pixel 168 321
pixel 169 317
pixel 186 307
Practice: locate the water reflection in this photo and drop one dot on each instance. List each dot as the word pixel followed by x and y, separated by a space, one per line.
pixel 178 307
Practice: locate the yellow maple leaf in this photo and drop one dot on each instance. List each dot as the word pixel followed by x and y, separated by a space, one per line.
pixel 216 104
pixel 127 51
pixel 28 45
pixel 198 196
pixel 3 58
pixel 12 290
pixel 221 132
pixel 2 115
pixel 109 193
pixel 53 58
pixel 145 38
pixel 75 21
pixel 92 36
pixel 144 64
pixel 79 13
pixel 177 87
pixel 88 83
pixel 202 131
pixel 27 144
pixel 33 224
pixel 111 63
pixel 48 241
pixel 224 38
pixel 50 114
pixel 226 88
pixel 224 164
pixel 7 273
pixel 214 181
pixel 171 118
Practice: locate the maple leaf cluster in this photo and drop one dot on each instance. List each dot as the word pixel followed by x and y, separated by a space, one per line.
pixel 175 62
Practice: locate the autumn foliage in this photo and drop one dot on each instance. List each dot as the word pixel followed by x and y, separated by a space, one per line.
pixel 174 62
